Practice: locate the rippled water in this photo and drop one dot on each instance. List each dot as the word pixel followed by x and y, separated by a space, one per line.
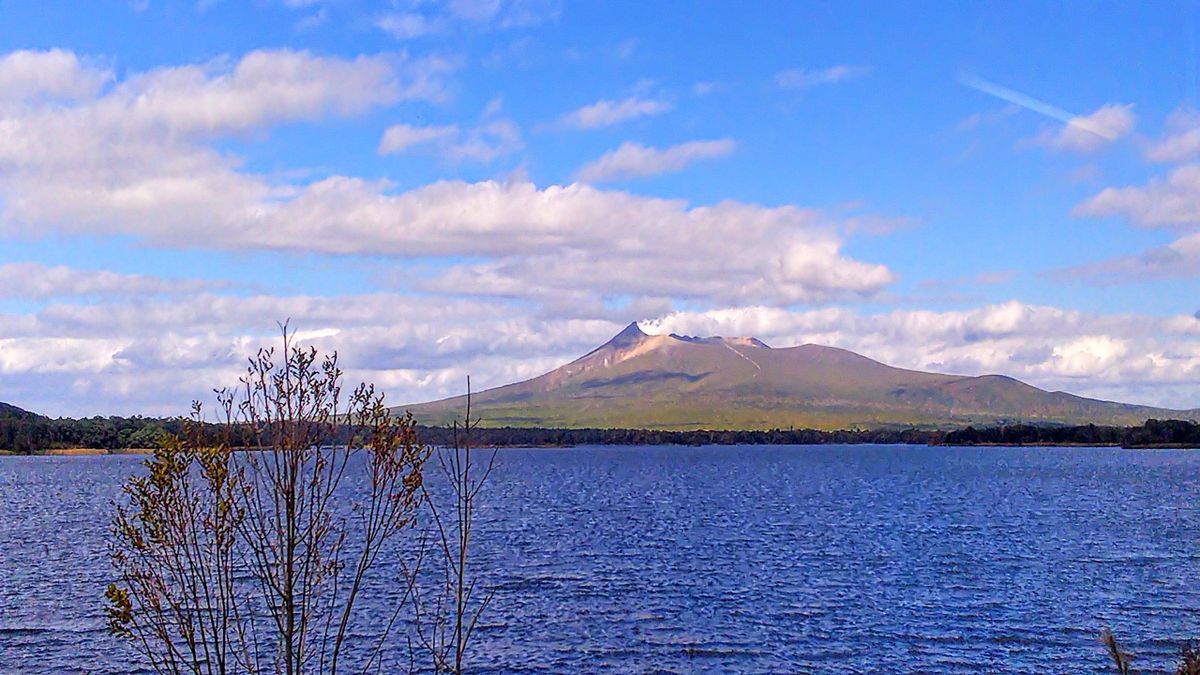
pixel 752 559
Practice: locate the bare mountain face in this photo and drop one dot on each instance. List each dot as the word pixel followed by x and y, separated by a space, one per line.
pixel 679 382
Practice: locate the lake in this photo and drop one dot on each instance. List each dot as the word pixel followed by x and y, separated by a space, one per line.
pixel 834 559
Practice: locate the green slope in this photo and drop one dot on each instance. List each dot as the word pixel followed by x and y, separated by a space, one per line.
pixel 676 382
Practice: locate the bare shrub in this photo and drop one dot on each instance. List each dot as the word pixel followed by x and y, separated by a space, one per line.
pixel 447 616
pixel 237 552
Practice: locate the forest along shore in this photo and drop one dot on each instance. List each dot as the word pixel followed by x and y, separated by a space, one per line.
pixel 92 436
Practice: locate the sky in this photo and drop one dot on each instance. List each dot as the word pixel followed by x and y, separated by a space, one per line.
pixel 439 189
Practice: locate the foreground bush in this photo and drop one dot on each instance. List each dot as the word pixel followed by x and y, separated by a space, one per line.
pixel 249 545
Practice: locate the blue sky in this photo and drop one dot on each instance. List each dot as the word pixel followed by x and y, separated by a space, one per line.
pixel 491 187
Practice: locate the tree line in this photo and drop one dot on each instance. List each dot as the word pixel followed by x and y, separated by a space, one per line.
pixel 33 434
pixel 1153 433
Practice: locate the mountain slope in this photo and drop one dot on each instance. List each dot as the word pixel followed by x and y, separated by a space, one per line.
pixel 12 411
pixel 679 382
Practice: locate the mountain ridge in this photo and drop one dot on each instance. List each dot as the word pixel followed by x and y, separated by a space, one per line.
pixel 8 410
pixel 680 382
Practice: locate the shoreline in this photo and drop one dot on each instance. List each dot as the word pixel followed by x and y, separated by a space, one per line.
pixel 98 452
pixel 87 452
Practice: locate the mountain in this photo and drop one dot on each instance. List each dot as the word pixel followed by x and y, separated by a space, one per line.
pixel 673 381
pixel 12 411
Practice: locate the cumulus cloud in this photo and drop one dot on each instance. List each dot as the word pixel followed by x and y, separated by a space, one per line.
pixel 633 160
pixel 577 236
pixel 1131 358
pixel 1088 133
pixel 153 355
pixel 53 74
pixel 1173 201
pixel 607 112
pixel 138 157
pixel 141 166
pixel 139 152
pixel 262 88
pixel 1182 141
pixel 805 78
pixel 525 234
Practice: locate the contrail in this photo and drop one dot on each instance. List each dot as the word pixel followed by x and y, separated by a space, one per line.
pixel 1031 103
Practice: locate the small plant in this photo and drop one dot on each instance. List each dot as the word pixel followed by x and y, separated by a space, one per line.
pixel 1120 658
pixel 1189 656
pixel 1189 659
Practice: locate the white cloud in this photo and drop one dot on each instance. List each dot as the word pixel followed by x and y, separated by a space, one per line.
pixel 577 237
pixel 136 158
pixel 1131 358
pixel 139 166
pixel 632 160
pixel 804 78
pixel 267 87
pixel 400 137
pixel 152 355
pixel 138 152
pixel 1088 133
pixel 437 18
pixel 606 112
pixel 782 254
pixel 38 282
pixel 198 101
pixel 52 74
pixel 484 142
pixel 409 25
pixel 1178 260
pixel 1173 201
pixel 1170 202
pixel 1182 142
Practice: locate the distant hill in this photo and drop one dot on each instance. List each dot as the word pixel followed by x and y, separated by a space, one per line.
pixel 679 382
pixel 11 411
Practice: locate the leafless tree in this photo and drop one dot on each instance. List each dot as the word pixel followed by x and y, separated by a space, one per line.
pixel 250 550
pixel 448 615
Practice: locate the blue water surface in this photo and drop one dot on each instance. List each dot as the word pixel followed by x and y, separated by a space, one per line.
pixel 830 559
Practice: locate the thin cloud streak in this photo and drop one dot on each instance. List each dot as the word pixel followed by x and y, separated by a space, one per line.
pixel 1037 106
